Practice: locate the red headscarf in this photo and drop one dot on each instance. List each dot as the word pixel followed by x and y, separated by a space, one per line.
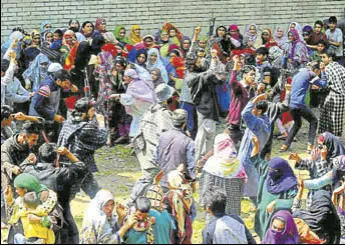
pixel 270 43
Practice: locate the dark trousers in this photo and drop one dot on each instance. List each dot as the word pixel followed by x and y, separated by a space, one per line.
pixel 297 115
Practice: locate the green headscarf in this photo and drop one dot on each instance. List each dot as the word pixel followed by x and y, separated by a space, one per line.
pixel 29 182
pixel 117 36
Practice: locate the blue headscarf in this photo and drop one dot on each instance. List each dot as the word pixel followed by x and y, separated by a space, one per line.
pixel 282 179
pixel 158 64
pixel 35 73
pixel 43 24
pixel 14 35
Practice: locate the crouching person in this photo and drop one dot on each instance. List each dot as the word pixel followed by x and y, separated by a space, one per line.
pixel 24 216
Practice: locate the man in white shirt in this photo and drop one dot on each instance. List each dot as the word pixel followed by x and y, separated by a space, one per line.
pixel 335 38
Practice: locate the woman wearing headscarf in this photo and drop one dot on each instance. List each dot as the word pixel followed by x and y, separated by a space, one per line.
pixel 276 191
pixel 120 35
pixel 267 38
pixel 16 35
pixel 138 56
pixel 280 37
pixel 157 77
pixel 139 97
pixel 45 25
pixel 251 37
pixel 36 73
pixel 31 52
pixel 322 217
pixel 135 35
pixel 236 35
pixel 71 45
pixel 101 25
pixel 47 38
pixel 223 169
pixel 296 51
pixel 283 229
pixel 298 27
pixel 155 61
pixel 25 183
pixel 100 226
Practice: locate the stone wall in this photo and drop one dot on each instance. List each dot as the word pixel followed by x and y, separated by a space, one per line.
pixel 151 14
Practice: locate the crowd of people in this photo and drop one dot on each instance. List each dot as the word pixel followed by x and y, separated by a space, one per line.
pixel 67 92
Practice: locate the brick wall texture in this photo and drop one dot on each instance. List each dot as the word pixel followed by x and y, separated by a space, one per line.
pixel 151 14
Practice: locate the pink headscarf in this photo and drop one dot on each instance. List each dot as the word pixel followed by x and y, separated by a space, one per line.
pixel 236 36
pixel 294 44
pixel 99 21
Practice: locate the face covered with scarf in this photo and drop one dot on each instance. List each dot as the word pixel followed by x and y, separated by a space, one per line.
pixel 332 143
pixel 283 229
pixel 280 176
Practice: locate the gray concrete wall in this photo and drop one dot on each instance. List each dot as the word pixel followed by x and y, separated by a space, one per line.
pixel 151 14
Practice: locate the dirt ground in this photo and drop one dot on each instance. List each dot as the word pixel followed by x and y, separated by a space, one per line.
pixel 119 171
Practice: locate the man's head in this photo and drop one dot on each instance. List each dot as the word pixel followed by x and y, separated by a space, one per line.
pixel 261 54
pixel 321 46
pixel 318 26
pixel 47 153
pixel 332 22
pixel 63 79
pixel 314 66
pixel 260 108
pixel 6 115
pixel 328 56
pixel 30 133
pixel 248 73
pixel 180 118
pixel 84 109
pixel 143 206
pixel 215 201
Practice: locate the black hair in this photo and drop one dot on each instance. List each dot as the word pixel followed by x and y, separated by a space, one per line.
pixel 5 64
pixel 31 199
pixel 87 22
pixel 333 20
pixel 262 50
pixel 330 53
pixel 142 51
pixel 62 75
pixel 262 105
pixel 215 200
pixel 59 32
pixel 324 42
pixel 32 128
pixel 71 20
pixel 121 60
pixel 275 73
pixel 315 65
pixel 6 112
pixel 149 38
pixel 143 204
pixel 247 68
pixel 83 105
pixel 47 153
pixel 318 22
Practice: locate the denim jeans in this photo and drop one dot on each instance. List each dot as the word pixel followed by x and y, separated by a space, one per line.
pixel 297 114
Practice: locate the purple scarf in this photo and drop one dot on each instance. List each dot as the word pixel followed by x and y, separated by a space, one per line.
pixel 294 43
pixel 282 180
pixel 288 236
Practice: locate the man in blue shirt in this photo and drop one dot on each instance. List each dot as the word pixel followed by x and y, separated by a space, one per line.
pixel 46 101
pixel 301 83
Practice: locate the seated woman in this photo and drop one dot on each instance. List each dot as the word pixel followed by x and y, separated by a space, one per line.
pixel 25 183
pixel 283 229
pixel 276 190
pixel 100 226
pixel 322 218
